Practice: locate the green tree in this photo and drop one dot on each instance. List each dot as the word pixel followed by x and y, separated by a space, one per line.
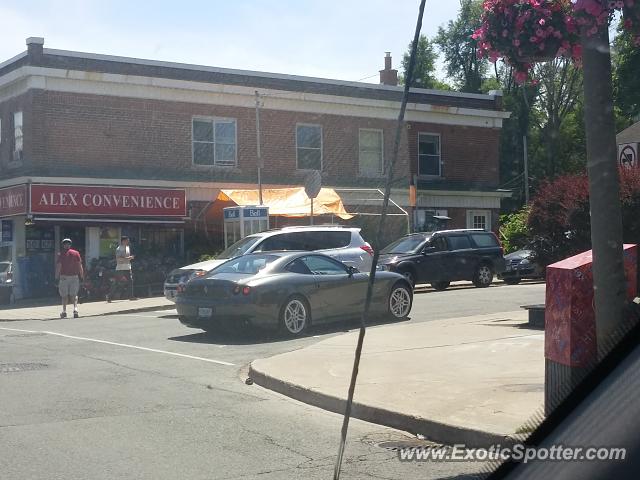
pixel 424 70
pixel 626 76
pixel 560 86
pixel 460 50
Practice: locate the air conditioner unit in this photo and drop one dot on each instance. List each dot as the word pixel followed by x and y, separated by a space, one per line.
pixel 17 155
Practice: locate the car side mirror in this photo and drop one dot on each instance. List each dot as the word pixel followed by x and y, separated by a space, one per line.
pixel 351 270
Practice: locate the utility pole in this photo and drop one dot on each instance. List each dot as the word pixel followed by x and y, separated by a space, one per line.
pixel 259 155
pixel 604 188
pixel 526 170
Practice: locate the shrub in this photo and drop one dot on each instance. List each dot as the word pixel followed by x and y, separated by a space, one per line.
pixel 514 231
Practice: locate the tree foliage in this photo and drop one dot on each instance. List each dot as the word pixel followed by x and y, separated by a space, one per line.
pixel 425 66
pixel 460 50
pixel 559 221
pixel 626 77
pixel 514 230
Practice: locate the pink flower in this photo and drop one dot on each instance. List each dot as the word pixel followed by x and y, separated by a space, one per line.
pixel 542 21
pixel 516 42
pixel 520 77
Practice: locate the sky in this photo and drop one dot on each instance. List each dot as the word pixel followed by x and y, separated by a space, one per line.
pixel 343 40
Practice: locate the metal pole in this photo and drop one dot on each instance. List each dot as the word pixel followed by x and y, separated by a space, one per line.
pixel 526 170
pixel 311 220
pixel 604 189
pixel 376 253
pixel 259 156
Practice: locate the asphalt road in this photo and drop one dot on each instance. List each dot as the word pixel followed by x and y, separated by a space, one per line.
pixel 139 396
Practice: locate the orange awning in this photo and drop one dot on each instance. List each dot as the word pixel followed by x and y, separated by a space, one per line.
pixel 290 202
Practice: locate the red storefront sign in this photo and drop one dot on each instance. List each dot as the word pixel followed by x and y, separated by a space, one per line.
pixel 112 201
pixel 13 201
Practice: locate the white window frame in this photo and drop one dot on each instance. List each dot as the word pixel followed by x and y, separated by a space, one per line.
pixel 473 213
pixel 440 163
pixel 321 145
pixel 381 166
pixel 213 121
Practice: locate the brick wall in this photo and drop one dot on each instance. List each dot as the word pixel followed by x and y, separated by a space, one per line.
pixel 469 154
pixel 7 108
pixel 87 133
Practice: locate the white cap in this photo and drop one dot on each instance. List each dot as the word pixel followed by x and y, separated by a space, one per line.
pixel 66 240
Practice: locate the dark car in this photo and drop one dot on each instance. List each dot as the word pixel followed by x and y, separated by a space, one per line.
pixel 288 291
pixel 442 257
pixel 521 264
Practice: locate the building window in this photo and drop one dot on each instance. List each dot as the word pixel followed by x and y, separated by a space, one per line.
pixel 309 147
pixel 214 142
pixel 370 152
pixel 429 159
pixel 479 219
pixel 18 137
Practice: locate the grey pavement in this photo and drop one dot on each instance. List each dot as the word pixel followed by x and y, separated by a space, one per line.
pixel 51 311
pixel 74 407
pixel 473 380
pixel 138 395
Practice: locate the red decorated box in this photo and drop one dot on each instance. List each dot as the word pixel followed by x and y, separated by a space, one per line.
pixel 570 321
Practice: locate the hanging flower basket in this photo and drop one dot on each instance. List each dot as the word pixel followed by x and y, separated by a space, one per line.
pixel 524 32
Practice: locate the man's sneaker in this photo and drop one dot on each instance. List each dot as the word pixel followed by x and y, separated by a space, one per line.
pixel 76 314
pixel 63 315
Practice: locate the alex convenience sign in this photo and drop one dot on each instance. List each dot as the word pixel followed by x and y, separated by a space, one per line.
pixel 112 201
pixel 13 201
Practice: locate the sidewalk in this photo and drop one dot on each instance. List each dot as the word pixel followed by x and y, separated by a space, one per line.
pixel 474 380
pixel 89 309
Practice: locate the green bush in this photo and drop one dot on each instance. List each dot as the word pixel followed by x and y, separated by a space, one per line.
pixel 514 232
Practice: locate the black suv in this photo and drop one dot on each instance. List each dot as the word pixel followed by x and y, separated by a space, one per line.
pixel 442 257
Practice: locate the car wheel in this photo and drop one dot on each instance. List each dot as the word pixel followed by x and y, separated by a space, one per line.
pixel 440 285
pixel 295 316
pixel 400 300
pixel 410 276
pixel 512 281
pixel 483 276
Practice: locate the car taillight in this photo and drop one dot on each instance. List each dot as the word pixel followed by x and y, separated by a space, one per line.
pixel 246 290
pixel 499 242
pixel 367 248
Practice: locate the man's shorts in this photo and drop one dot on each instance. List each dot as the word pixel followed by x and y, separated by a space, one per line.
pixel 69 285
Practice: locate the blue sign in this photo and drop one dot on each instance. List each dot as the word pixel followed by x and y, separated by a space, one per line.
pixel 257 212
pixel 231 213
pixel 7 230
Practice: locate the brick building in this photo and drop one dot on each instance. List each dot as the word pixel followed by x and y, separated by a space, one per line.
pixel 83 134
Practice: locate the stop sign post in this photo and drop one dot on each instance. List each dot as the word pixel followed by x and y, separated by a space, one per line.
pixel 312 188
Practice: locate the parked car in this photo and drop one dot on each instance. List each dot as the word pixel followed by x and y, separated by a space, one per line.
pixel 520 264
pixel 287 290
pixel 342 243
pixel 442 257
pixel 6 282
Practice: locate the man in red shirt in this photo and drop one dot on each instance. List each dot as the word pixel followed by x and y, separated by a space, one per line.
pixel 69 272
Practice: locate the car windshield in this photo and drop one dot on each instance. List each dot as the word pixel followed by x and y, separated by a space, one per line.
pixel 246 264
pixel 239 248
pixel 410 244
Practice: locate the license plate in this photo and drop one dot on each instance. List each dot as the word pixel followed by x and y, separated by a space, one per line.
pixel 205 312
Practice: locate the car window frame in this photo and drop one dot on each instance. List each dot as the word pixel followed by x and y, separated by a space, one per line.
pixel 330 260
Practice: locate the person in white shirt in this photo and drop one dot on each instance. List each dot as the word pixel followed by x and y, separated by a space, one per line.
pixel 123 268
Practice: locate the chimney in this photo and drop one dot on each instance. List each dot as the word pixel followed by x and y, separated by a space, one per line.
pixel 35 47
pixel 388 76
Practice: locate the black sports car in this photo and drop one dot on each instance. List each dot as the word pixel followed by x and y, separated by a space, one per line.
pixel 288 290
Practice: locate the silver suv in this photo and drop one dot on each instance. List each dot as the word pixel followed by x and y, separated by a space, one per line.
pixel 342 243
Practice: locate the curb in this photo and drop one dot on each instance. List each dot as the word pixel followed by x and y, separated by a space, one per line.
pixel 118 312
pixel 432 430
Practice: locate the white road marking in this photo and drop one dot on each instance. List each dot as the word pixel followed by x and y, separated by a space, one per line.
pixel 125 345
